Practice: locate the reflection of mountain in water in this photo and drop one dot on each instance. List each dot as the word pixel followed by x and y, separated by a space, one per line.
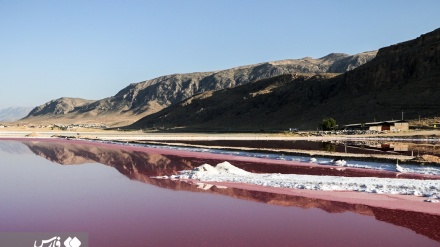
pixel 140 166
pixel 135 165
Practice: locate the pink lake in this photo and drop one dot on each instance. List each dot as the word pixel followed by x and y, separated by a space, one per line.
pixel 107 191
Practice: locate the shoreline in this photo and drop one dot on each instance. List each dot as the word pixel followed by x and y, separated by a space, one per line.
pixel 172 139
pixel 432 135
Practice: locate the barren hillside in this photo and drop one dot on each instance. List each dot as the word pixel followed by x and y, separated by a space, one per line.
pixel 402 77
pixel 141 99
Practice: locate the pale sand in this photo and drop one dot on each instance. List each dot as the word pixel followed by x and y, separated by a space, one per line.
pixel 115 135
pixel 138 135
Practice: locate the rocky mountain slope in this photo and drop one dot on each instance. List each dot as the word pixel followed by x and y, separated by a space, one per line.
pixel 11 114
pixel 273 103
pixel 402 77
pixel 59 106
pixel 141 99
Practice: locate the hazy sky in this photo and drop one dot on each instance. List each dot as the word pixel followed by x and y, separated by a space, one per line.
pixel 92 49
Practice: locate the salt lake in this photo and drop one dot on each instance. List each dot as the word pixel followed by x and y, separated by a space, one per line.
pixel 108 191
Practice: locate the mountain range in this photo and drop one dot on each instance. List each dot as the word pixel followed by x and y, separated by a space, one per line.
pixel 14 113
pixel 402 79
pixel 145 98
pixel 383 85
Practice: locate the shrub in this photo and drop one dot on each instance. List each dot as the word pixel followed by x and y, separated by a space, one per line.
pixel 328 124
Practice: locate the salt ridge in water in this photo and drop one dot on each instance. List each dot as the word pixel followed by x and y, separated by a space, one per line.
pixel 226 172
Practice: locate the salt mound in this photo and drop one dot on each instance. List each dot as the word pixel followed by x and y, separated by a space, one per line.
pixel 205 168
pixel 228 168
pixel 221 169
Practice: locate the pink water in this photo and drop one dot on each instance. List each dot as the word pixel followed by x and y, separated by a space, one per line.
pixel 125 207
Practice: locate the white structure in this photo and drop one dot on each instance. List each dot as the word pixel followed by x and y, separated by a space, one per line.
pixel 393 125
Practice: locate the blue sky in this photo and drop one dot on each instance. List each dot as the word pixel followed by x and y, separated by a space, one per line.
pixel 93 49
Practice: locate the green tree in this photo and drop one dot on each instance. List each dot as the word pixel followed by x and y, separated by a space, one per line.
pixel 328 124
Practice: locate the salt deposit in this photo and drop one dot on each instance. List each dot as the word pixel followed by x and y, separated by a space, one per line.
pixel 224 168
pixel 226 172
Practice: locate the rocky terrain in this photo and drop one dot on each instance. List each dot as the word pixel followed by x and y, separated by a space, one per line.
pixel 257 106
pixel 141 99
pixel 14 113
pixel 61 106
pixel 402 77
pixel 296 93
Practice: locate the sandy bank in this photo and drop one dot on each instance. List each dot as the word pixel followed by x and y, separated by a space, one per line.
pixel 153 136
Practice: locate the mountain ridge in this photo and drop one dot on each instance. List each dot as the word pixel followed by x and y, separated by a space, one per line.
pixel 144 98
pixel 14 113
pixel 402 77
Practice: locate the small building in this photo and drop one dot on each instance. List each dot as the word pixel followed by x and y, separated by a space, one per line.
pixel 392 125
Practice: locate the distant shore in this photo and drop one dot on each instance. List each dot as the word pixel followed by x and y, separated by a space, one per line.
pixel 140 135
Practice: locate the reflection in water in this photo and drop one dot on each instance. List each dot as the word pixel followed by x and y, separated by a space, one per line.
pixel 141 166
pixel 13 148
